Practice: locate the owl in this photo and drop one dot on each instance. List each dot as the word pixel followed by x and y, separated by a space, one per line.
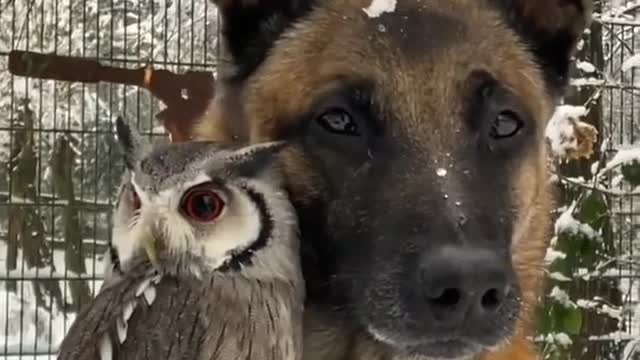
pixel 207 250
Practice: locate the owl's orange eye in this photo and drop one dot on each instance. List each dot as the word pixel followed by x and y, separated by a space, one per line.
pixel 202 205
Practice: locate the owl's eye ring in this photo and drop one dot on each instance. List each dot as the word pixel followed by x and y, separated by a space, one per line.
pixel 201 204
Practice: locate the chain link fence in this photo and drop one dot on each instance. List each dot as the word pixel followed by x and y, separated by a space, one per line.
pixel 69 68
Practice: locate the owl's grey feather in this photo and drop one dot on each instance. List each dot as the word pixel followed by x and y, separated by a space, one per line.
pixel 230 317
pixel 221 290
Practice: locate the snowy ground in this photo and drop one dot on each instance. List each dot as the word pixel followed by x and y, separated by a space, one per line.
pixel 30 331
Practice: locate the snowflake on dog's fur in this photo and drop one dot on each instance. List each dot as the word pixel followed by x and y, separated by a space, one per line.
pixel 378 7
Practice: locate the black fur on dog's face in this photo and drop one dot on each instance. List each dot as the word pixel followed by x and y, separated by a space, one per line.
pixel 418 166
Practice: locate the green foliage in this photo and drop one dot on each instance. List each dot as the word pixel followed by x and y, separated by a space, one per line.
pixel 580 248
pixel 581 252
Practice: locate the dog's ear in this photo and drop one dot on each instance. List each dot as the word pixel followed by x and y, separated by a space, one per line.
pixel 552 29
pixel 250 27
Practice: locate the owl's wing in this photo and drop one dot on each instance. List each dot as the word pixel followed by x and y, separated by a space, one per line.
pixel 248 319
pixel 163 322
pixel 86 337
pixel 112 268
pixel 172 327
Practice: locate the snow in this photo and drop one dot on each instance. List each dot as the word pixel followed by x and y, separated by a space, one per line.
pixel 46 272
pixel 559 277
pixel 42 330
pixel 563 339
pixel 560 130
pixel 566 223
pixel 553 255
pixel 636 313
pixel 561 297
pixel 615 336
pixel 587 304
pixel 579 82
pixel 614 313
pixel 623 156
pixel 631 62
pixel 378 7
pixel 27 328
pixel 441 172
pixel 74 147
pixel 611 312
pixel 609 273
pixel 617 181
pixel 586 66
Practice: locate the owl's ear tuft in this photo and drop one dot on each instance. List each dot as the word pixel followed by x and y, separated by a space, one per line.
pixel 254 160
pixel 131 142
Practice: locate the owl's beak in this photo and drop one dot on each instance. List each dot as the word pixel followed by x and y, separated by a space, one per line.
pixel 144 230
pixel 144 235
pixel 149 245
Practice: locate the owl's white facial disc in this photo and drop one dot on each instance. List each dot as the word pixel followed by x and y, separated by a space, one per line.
pixel 230 218
pixel 238 229
pixel 166 215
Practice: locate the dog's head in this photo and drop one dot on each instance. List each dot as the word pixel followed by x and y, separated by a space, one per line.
pixel 418 165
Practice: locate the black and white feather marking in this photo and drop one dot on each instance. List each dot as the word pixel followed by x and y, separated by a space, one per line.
pixel 242 257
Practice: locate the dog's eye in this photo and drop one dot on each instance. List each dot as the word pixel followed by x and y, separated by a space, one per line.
pixel 338 121
pixel 505 125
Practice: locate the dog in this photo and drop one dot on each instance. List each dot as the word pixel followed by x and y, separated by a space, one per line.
pixel 417 165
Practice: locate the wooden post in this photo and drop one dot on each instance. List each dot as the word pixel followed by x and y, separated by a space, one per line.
pixel 186 96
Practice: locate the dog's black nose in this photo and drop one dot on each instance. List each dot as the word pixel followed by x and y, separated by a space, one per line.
pixel 463 285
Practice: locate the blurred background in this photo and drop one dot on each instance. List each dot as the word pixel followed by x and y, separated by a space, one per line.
pixel 68 68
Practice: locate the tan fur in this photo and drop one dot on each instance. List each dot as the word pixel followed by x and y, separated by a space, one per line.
pixel 328 47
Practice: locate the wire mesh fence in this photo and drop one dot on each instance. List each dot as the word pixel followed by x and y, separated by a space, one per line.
pixel 614 43
pixel 60 166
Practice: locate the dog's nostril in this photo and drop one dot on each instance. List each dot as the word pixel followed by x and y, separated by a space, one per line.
pixel 491 300
pixel 463 285
pixel 447 298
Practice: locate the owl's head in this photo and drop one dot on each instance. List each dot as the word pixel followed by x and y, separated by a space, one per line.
pixel 208 205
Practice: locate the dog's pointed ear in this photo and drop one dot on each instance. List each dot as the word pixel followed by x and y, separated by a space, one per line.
pixel 552 29
pixel 250 28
